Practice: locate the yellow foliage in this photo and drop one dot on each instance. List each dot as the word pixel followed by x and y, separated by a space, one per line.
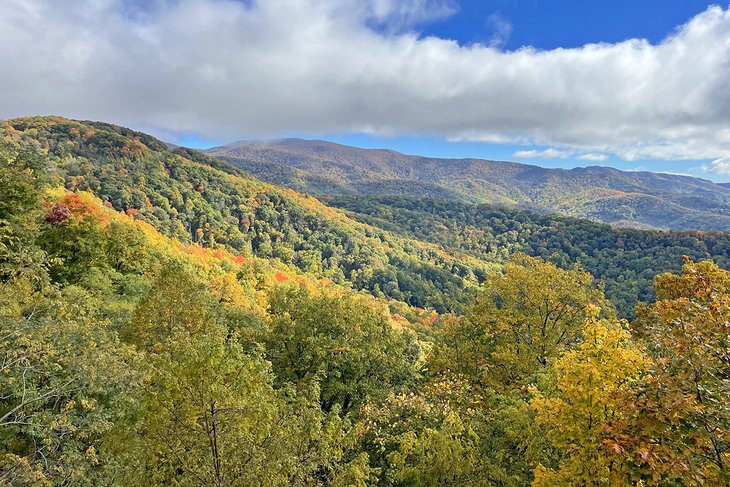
pixel 585 416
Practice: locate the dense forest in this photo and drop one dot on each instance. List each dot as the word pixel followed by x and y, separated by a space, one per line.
pixel 431 254
pixel 624 260
pixel 198 199
pixel 149 336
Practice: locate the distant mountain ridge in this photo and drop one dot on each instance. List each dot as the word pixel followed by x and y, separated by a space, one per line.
pixel 621 198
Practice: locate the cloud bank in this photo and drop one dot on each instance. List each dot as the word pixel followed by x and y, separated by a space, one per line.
pixel 549 153
pixel 718 166
pixel 228 68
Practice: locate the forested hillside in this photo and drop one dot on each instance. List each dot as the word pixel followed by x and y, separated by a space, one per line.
pixel 294 312
pixel 151 337
pixel 131 358
pixel 198 199
pixel 427 253
pixel 626 199
pixel 115 339
pixel 624 260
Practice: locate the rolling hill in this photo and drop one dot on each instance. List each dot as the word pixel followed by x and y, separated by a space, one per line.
pixel 426 251
pixel 198 199
pixel 620 198
pixel 625 260
pixel 132 358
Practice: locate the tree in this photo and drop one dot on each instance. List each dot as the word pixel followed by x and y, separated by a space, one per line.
pixel 178 303
pixel 211 416
pixel 346 342
pixel 22 177
pixel 65 381
pixel 587 414
pixel 426 437
pixel 687 330
pixel 530 314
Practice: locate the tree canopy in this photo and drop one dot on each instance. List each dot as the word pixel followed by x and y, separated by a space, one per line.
pixel 134 355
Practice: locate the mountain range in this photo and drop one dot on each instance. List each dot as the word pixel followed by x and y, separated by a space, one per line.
pixel 149 294
pixel 431 249
pixel 620 198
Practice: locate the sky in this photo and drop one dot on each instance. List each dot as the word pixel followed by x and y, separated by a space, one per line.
pixel 634 84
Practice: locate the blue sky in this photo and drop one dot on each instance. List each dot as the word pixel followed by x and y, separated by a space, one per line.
pixel 635 84
pixel 546 25
pixel 549 24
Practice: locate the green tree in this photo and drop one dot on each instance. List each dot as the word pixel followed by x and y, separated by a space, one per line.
pixel 426 437
pixel 177 303
pixel 22 177
pixel 345 341
pixel 524 318
pixel 211 416
pixel 65 381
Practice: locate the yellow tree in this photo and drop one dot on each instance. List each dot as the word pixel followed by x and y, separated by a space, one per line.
pixel 530 314
pixel 688 401
pixel 587 414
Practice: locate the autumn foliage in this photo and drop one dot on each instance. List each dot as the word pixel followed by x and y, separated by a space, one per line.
pixel 58 214
pixel 128 357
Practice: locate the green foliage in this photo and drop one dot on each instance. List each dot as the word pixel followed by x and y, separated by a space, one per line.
pixel 177 304
pixel 427 437
pixel 130 358
pixel 624 260
pixel 198 199
pixel 211 416
pixel 22 175
pixel 523 320
pixel 187 397
pixel 65 381
pixel 347 343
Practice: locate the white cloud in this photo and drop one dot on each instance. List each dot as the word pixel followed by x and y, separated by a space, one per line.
pixel 718 166
pixel 398 15
pixel 502 29
pixel 549 153
pixel 232 68
pixel 592 157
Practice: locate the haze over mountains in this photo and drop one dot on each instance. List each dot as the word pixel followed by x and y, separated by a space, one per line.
pixel 620 198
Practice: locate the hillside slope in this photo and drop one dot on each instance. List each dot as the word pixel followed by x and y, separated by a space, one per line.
pixel 131 359
pixel 634 199
pixel 625 260
pixel 198 199
pixel 424 252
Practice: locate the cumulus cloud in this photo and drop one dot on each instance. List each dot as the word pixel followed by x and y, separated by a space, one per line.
pixel 254 68
pixel 549 153
pixel 718 166
pixel 592 157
